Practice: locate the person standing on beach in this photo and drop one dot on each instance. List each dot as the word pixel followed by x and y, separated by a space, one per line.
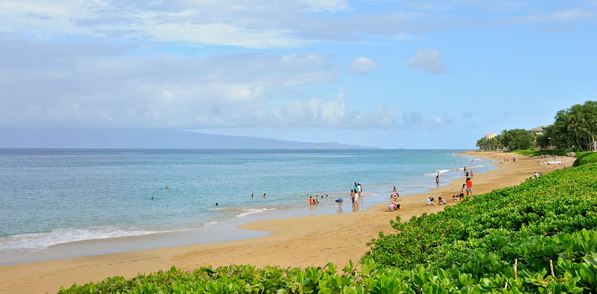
pixel 469 187
pixel 394 189
pixel 360 190
pixel 437 178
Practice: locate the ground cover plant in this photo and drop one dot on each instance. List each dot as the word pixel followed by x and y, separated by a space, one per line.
pixel 539 152
pixel 538 237
pixel 585 158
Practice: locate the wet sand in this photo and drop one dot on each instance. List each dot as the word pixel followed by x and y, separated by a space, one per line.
pixel 294 242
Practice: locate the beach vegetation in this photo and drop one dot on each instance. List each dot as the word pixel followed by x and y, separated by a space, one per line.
pixel 517 139
pixel 548 222
pixel 538 237
pixel 574 129
pixel 583 158
pixel 540 152
pixel 489 144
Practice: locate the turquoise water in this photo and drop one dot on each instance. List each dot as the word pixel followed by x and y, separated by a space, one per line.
pixel 48 197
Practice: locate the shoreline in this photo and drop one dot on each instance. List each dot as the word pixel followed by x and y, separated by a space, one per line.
pixel 295 241
pixel 229 229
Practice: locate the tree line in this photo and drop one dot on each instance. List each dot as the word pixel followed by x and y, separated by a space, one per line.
pixel 574 129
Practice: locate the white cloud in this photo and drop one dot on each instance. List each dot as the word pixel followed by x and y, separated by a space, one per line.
pixel 260 24
pixel 362 65
pixel 53 85
pixel 317 112
pixel 415 119
pixel 327 5
pixel 428 60
pixel 566 15
pixel 216 34
pixel 250 24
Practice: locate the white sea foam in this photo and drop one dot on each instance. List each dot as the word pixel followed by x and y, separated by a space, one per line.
pixel 210 224
pixel 38 241
pixel 440 171
pixel 250 211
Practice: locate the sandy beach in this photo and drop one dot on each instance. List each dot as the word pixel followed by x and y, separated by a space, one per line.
pixel 302 242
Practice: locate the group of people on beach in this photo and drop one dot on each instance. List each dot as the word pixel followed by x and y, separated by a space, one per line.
pixel 355 193
pixel 513 159
pixel 431 201
pixel 394 205
pixel 468 183
pixel 467 187
pixel 315 200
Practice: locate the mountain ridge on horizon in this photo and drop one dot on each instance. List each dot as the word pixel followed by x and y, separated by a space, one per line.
pixel 131 138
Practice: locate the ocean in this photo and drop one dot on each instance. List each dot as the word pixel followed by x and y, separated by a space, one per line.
pixel 56 196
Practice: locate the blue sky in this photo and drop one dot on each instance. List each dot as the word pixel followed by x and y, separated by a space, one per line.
pixel 393 74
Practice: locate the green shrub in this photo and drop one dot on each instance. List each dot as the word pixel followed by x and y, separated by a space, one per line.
pixel 585 158
pixel 539 152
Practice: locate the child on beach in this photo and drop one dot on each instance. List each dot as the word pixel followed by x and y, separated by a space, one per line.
pixel 394 196
pixel 469 186
pixel 441 201
pixel 429 201
pixel 393 207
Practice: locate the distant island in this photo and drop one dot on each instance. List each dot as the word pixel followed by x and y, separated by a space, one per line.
pixel 145 138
